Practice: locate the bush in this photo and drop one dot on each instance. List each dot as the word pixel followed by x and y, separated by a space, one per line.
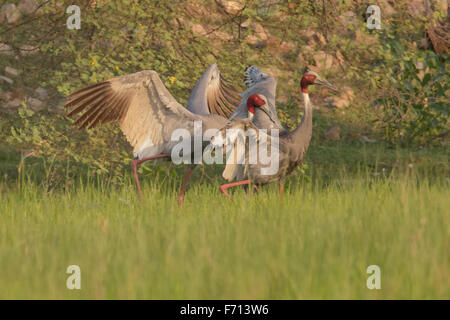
pixel 120 37
pixel 413 109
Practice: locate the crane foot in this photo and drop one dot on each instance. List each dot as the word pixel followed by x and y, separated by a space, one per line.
pixel 224 192
pixel 183 187
pixel 134 165
pixel 223 188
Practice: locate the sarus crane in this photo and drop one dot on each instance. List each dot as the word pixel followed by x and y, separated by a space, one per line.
pixel 148 114
pixel 291 146
pixel 264 84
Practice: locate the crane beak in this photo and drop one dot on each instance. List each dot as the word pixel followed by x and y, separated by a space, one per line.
pixel 267 111
pixel 326 84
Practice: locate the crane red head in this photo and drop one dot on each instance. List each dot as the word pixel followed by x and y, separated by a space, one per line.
pixel 259 101
pixel 255 101
pixel 310 77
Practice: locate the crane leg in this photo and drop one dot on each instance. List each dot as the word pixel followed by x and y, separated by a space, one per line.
pixel 223 188
pixel 183 187
pixel 134 165
pixel 281 190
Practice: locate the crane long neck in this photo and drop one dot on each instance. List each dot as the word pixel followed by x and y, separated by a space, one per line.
pixel 302 134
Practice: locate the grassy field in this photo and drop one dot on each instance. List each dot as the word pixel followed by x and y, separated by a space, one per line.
pixel 353 209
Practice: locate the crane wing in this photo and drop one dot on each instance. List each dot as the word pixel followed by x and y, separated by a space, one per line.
pixel 237 148
pixel 213 95
pixel 138 102
pixel 247 150
pixel 235 164
pixel 254 75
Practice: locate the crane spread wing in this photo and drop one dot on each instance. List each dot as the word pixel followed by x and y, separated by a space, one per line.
pixel 213 94
pixel 254 75
pixel 139 103
pixel 222 98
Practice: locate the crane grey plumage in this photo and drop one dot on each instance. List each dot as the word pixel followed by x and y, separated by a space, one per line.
pixel 146 112
pixel 291 147
pixel 213 94
pixel 266 85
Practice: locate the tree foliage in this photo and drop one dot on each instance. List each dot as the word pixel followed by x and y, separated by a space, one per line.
pixel 126 36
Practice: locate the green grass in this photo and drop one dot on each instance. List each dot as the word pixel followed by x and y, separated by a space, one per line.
pixel 314 243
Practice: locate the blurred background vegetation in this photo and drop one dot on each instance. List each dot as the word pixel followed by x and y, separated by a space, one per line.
pixel 394 81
